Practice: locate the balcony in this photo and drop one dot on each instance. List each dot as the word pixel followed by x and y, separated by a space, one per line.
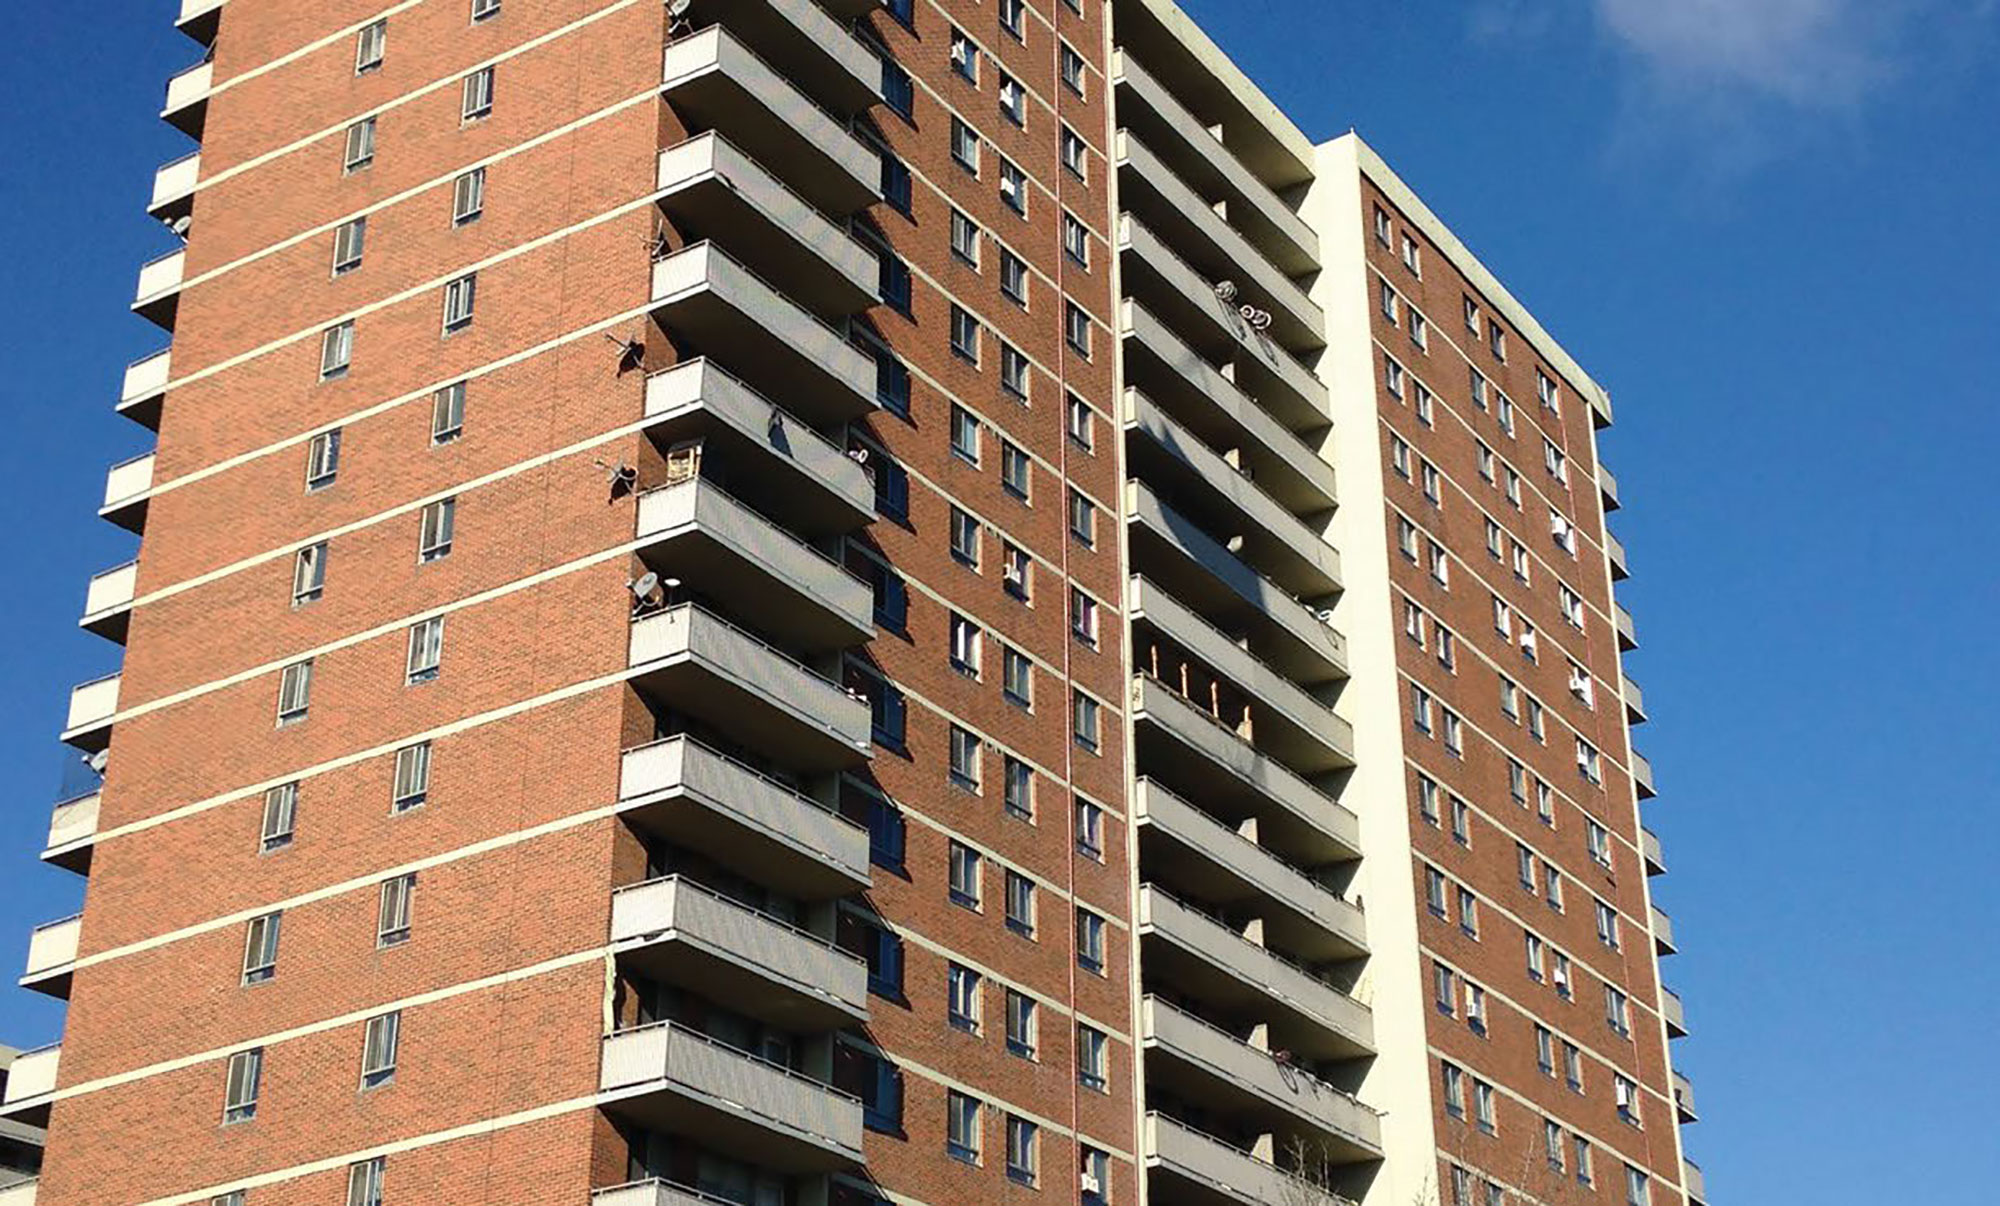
pixel 1656 859
pixel 1697 1188
pixel 91 707
pixel 31 1085
pixel 173 188
pixel 1614 552
pixel 1195 1061
pixel 715 82
pixel 1683 1098
pixel 687 793
pixel 145 389
pixel 768 459
pixel 52 956
pixel 1183 746
pixel 1292 726
pixel 720 549
pixel 1663 932
pixel 1172 550
pixel 1204 487
pixel 1184 143
pixel 1184 845
pixel 187 99
pixel 199 18
pixel 1635 700
pixel 1607 487
pixel 709 185
pixel 674 930
pixel 1214 249
pixel 1642 776
pixel 1198 955
pixel 107 602
pixel 1674 1012
pixel 804 44
pixel 707 298
pixel 127 487
pixel 669 1078
pixel 21 1193
pixel 1210 404
pixel 157 298
pixel 646 1193
pixel 73 832
pixel 1186 1166
pixel 1628 632
pixel 692 662
pixel 1176 291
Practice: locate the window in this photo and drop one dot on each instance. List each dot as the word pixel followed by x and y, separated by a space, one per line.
pixel 1552 1144
pixel 378 1049
pixel 1094 1173
pixel 1076 240
pixel 1072 69
pixel 1485 462
pixel 468 197
pixel 484 9
pixel 1478 381
pixel 965 238
pixel 965 875
pixel 1382 228
pixel 1475 1008
pixel 1017 677
pixel 360 147
pixel 1461 1187
pixel 477 95
pixel 1020 904
pixel 435 530
pixel 1468 912
pixel 1412 256
pixel 1510 699
pixel 1089 830
pixel 322 460
pixel 896 181
pixel 1073 155
pixel 1482 1107
pixel 1524 867
pixel 1018 791
pixel 426 650
pixel 964 538
pixel 1461 823
pixel 1406 538
pixel 1503 618
pixel 1537 719
pixel 1434 890
pixel 1545 1050
pixel 1446 983
pixel 1420 330
pixel 1517 782
pixel 413 777
pixel 1399 457
pixel 1589 763
pixel 1496 339
pixel 1014 373
pixel 294 692
pixel 1552 890
pixel 1016 470
pixel 1078 419
pixel 1014 278
pixel 1547 392
pixel 1082 519
pixel 448 413
pixel 1572 608
pixel 1090 941
pixel 1013 187
pixel 962 1127
pixel 886 840
pixel 1638 1191
pixel 459 297
pixel 1597 839
pixel 233 1198
pixel 965 146
pixel 1537 955
pixel 1392 304
pixel 1454 1090
pixel 1472 316
pixel 1503 410
pixel 1420 709
pixel 1427 800
pixel 281 814
pixel 1440 564
pixel 881 1089
pixel 1010 16
pixel 1013 101
pixel 239 1095
pixel 892 282
pixel 1431 483
pixel 898 92
pixel 1076 328
pixel 962 1006
pixel 1017 572
pixel 336 350
pixel 1022 1158
pixel 369 46
pixel 1560 976
pixel 349 240
pixel 364 1183
pixel 964 435
pixel 309 574
pixel 1555 462
pixel 1627 1096
pixel 1392 378
pixel 892 383
pixel 1415 624
pixel 1021 1024
pixel 1529 642
pixel 964 760
pixel 965 336
pixel 1583 1173
pixel 1454 732
pixel 1426 405
pixel 964 57
pixel 1618 1011
pixel 392 917
pixel 1083 617
pixel 260 948
pixel 1092 1059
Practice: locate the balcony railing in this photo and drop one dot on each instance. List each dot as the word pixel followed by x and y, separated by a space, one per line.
pixel 654 1192
pixel 700 798
pixel 21 1193
pixel 107 602
pixel 1614 552
pixel 1642 776
pixel 144 389
pixel 31 1082
pixel 682 932
pixel 800 41
pixel 187 98
pixel 1674 1012
pixel 1663 932
pixel 199 19
pixel 1684 1098
pixel 173 187
pixel 1607 486
pixel 52 951
pixel 1628 632
pixel 1635 700
pixel 1697 1185
pixel 757 693
pixel 1207 1170
pixel 91 707
pixel 671 1078
pixel 1655 853
pixel 156 298
pixel 73 831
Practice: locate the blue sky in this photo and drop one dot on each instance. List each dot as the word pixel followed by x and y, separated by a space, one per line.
pixel 1766 225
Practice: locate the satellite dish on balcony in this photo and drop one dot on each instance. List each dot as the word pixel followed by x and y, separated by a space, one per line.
pixel 645 591
pixel 677 22
pixel 97 761
pixel 1226 291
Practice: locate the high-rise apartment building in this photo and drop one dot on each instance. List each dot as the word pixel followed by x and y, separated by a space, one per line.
pixel 819 603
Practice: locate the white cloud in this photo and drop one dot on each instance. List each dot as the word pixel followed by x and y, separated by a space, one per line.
pixel 1807 53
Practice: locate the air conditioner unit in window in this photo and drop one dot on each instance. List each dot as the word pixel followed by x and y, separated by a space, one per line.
pixel 1090 1183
